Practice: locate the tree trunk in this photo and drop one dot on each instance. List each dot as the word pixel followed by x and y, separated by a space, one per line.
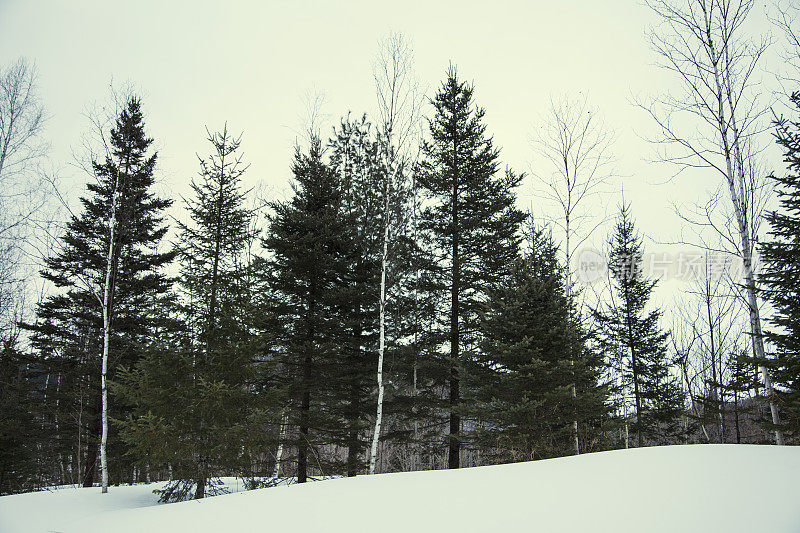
pixel 352 436
pixel 305 404
pixel 716 397
pixel 729 152
pixel 454 444
pixel 200 492
pixel 373 454
pixel 279 453
pixel 634 370
pixel 576 441
pixel 736 415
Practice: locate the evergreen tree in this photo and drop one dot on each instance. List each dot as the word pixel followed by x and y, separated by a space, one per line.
pixel 473 223
pixel 524 374
pixel 355 158
pixel 310 244
pixel 192 391
pixel 657 395
pixel 781 268
pixel 68 333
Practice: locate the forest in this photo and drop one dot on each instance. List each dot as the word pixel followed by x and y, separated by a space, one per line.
pixel 400 309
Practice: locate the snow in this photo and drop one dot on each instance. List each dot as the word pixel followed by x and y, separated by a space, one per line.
pixel 727 488
pixel 51 509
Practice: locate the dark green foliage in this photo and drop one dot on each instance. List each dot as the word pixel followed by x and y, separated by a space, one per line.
pixel 473 224
pixel 310 244
pixel 68 331
pixel 780 275
pixel 524 373
pixel 355 158
pixel 19 426
pixel 191 393
pixel 631 330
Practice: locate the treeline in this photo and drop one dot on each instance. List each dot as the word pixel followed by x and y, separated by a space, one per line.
pixel 259 356
pixel 397 312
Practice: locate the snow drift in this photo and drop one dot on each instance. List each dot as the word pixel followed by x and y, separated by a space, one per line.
pixel 731 488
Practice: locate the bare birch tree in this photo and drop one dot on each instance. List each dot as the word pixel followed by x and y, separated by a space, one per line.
pixel 713 121
pixel 398 110
pixel 22 193
pixel 575 146
pixel 787 20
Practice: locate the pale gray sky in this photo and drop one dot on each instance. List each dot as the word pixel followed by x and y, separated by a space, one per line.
pixel 249 63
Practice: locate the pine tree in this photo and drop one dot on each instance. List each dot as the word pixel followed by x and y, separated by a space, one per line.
pixel 191 392
pixel 310 246
pixel 474 225
pixel 657 396
pixel 94 274
pixel 781 268
pixel 356 160
pixel 524 372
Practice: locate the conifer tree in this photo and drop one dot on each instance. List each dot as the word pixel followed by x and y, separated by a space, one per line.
pixel 106 286
pixel 656 393
pixel 310 249
pixel 473 224
pixel 191 392
pixel 524 373
pixel 781 264
pixel 356 160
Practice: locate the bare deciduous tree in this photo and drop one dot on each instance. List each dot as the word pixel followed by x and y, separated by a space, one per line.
pixel 713 122
pixel 21 192
pixel 398 109
pixel 575 146
pixel 787 20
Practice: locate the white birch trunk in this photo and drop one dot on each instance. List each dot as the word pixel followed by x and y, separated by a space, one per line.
pixel 576 442
pixel 373 453
pixel 744 235
pixel 107 339
pixel 279 453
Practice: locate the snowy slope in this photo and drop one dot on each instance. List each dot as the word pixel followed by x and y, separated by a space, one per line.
pixel 670 489
pixel 51 509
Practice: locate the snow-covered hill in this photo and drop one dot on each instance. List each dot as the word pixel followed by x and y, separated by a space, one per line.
pixel 669 489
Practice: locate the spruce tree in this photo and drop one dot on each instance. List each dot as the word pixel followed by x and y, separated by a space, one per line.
pixel 68 332
pixel 780 271
pixel 356 157
pixel 524 373
pixel 310 251
pixel 192 389
pixel 473 223
pixel 656 393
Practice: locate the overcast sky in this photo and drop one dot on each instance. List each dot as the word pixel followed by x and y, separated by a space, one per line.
pixel 199 64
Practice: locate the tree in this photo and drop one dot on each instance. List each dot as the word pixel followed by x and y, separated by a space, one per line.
pixel 576 146
pixel 356 158
pixel 19 427
pixel 701 42
pixel 108 273
pixel 473 223
pixel 781 262
pixel 657 396
pixel 22 192
pixel 785 20
pixel 398 106
pixel 525 378
pixel 307 243
pixel 711 328
pixel 194 393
